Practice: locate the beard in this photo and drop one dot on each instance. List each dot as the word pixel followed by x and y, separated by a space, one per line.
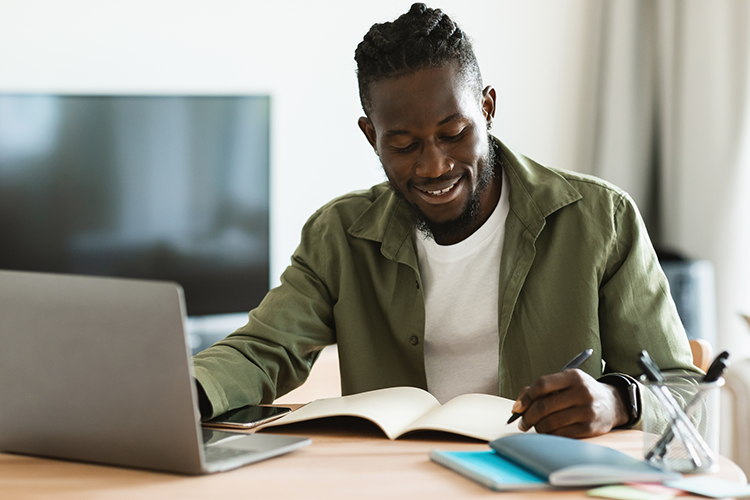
pixel 469 215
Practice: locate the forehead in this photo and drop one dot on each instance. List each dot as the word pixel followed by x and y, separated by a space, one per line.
pixel 423 98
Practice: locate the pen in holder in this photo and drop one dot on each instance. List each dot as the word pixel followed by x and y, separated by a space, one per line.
pixel 675 432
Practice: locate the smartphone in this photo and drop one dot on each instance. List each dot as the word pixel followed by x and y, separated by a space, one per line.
pixel 247 417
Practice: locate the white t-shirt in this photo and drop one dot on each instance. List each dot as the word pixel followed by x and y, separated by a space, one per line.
pixel 460 284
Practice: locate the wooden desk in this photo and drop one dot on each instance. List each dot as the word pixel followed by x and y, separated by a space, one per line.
pixel 348 459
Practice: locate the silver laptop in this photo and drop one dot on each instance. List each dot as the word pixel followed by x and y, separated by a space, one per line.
pixel 98 370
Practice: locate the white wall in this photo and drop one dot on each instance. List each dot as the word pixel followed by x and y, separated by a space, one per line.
pixel 301 53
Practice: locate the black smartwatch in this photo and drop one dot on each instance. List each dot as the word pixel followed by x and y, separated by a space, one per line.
pixel 630 393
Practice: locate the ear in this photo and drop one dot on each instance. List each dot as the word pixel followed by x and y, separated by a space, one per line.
pixel 365 125
pixel 489 99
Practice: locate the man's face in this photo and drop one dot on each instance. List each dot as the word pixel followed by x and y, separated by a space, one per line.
pixel 430 131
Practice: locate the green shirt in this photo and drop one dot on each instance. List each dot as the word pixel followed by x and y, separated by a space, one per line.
pixel 578 270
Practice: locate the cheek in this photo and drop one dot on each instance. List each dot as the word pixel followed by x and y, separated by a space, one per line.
pixel 473 150
pixel 398 171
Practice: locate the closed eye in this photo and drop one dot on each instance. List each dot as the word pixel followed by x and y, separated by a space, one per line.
pixel 407 149
pixel 456 137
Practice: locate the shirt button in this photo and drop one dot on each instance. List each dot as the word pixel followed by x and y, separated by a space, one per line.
pixel 414 340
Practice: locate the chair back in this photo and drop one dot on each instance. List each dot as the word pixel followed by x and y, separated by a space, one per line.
pixel 702 353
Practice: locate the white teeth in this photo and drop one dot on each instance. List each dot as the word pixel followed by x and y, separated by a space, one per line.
pixel 442 191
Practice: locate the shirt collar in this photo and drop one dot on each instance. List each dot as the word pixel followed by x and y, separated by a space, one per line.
pixel 388 222
pixel 535 193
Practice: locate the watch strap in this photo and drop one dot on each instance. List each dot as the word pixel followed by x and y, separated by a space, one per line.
pixel 630 393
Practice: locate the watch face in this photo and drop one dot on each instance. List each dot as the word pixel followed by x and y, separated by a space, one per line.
pixel 635 405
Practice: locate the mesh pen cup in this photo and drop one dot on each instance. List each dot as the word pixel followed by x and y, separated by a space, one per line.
pixel 681 427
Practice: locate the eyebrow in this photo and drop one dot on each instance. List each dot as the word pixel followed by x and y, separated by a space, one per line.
pixel 453 117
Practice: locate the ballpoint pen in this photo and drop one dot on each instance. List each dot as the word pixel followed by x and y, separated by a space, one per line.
pixel 573 363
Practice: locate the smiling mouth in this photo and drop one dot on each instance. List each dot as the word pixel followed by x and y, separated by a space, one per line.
pixel 440 192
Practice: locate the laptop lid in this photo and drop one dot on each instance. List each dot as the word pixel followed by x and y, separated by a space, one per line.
pixel 97 370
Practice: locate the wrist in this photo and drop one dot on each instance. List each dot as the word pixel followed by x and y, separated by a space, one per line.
pixel 627 394
pixel 621 415
pixel 204 404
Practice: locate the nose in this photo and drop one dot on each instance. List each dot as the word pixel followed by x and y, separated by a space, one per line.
pixel 433 162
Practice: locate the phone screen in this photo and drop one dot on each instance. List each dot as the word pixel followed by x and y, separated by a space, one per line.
pixel 248 417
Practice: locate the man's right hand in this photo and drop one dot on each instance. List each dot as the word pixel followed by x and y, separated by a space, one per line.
pixel 570 403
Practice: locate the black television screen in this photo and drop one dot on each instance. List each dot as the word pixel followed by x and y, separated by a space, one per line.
pixel 157 187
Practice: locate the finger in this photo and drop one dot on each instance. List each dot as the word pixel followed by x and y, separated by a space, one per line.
pixel 581 413
pixel 554 410
pixel 534 399
pixel 572 396
pixel 549 410
pixel 522 401
pixel 554 382
pixel 579 430
pixel 573 421
pixel 524 425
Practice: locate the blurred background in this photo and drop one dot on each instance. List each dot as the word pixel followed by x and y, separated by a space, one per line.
pixel 651 95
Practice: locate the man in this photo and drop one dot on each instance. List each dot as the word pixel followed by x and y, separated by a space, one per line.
pixel 474 269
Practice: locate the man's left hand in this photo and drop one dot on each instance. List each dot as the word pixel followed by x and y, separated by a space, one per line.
pixel 570 403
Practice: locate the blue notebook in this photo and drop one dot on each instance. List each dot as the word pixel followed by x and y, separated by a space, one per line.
pixel 533 461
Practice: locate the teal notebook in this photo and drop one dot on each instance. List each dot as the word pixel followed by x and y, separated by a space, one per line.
pixel 532 461
pixel 489 469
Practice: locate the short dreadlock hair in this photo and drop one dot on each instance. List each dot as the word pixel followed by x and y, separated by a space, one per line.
pixel 422 38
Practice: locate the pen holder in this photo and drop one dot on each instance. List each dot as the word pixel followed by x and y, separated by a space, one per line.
pixel 681 431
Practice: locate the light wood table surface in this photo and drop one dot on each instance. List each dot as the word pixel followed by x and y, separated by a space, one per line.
pixel 349 458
